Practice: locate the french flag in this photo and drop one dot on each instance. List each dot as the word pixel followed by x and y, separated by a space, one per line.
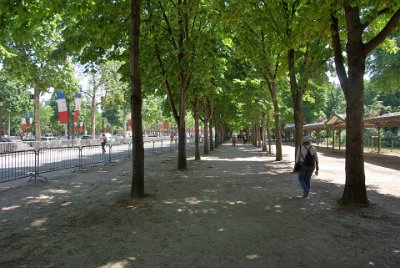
pixel 77 106
pixel 30 119
pixel 62 108
pixel 23 122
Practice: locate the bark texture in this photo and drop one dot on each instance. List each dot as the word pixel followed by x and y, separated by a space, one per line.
pixel 137 189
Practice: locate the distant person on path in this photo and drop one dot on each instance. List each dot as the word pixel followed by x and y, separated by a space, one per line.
pixel 233 140
pixel 307 159
pixel 103 142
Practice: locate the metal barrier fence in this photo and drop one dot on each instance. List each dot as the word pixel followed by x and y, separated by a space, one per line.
pixel 42 159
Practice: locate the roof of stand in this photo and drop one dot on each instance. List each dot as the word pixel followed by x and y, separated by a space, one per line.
pixel 338 121
pixel 314 126
pixel 385 120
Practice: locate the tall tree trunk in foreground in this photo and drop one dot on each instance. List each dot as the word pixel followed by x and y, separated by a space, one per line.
pixel 352 83
pixel 182 160
pixel 137 188
pixel 297 97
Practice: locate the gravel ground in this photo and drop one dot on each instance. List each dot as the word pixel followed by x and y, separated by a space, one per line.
pixel 237 207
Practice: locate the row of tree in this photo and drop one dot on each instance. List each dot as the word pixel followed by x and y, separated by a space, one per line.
pixel 228 62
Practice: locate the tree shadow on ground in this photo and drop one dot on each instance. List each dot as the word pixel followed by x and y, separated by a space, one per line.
pixel 237 207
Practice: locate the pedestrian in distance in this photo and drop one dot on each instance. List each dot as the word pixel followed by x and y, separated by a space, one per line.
pixel 306 163
pixel 233 140
pixel 103 142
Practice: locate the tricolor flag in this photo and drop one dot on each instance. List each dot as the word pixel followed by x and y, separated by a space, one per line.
pixel 62 108
pixel 30 119
pixel 77 106
pixel 23 122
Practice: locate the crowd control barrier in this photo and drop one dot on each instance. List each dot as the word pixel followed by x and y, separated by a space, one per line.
pixel 35 162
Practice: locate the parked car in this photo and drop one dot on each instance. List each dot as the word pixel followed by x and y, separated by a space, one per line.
pixel 7 145
pixel 28 138
pixel 86 137
pixel 47 138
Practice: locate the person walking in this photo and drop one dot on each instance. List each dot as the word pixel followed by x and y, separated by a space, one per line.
pixel 103 142
pixel 307 161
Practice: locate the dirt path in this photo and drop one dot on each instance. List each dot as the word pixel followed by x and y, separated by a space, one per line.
pixel 235 208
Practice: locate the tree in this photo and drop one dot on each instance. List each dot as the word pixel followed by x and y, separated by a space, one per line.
pixel 260 44
pixel 357 21
pixel 16 101
pixel 31 35
pixel 137 188
pixel 182 21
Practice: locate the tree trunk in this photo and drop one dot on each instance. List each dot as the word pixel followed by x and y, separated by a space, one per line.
pixel 196 128
pixel 137 188
pixel 93 109
pixel 269 132
pixel 254 136
pixel 206 124
pixel 264 144
pixel 258 134
pixel 182 160
pixel 355 190
pixel 278 137
pixel 38 132
pixel 217 132
pixel 205 130
pixel 70 120
pixel 297 95
pixel 211 135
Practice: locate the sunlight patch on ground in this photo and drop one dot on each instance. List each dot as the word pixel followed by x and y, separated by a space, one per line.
pixel 58 191
pixel 192 201
pixel 10 208
pixel 68 203
pixel 252 257
pixel 239 159
pixel 40 198
pixel 38 222
pixel 278 208
pixel 235 202
pixel 119 264
pixel 169 202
